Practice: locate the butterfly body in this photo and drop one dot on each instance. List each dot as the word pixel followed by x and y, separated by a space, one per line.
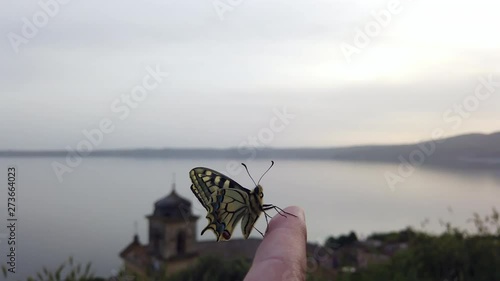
pixel 226 202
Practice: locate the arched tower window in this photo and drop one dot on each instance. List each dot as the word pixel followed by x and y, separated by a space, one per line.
pixel 181 242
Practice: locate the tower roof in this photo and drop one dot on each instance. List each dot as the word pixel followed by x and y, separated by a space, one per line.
pixel 172 206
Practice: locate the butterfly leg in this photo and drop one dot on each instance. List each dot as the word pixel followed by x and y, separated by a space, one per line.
pixel 278 208
pixel 259 231
pixel 266 207
pixel 267 221
pixel 280 211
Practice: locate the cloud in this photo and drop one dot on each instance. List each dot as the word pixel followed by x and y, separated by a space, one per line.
pixel 231 73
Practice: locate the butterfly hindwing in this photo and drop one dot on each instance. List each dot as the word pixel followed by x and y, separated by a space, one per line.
pixel 248 222
pixel 229 206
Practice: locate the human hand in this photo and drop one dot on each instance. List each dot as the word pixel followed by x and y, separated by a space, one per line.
pixel 282 254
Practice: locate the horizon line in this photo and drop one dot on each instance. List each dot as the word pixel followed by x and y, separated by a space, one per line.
pixel 259 147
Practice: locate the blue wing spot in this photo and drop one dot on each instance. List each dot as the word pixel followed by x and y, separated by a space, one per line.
pixel 221 227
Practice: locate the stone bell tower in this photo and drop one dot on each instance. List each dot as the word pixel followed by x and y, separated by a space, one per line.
pixel 172 231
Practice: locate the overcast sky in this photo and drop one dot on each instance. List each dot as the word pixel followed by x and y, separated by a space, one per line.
pixel 233 64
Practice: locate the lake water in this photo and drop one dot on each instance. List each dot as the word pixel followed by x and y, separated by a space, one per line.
pixel 91 214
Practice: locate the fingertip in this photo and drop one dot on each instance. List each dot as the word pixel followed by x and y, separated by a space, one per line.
pixel 283 249
pixel 297 211
pixel 296 223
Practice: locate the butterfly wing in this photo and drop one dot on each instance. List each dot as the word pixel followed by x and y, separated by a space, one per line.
pixel 228 207
pixel 207 181
pixel 254 212
pixel 226 202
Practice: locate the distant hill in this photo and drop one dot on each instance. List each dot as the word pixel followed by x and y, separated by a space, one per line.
pixel 471 150
pixel 460 151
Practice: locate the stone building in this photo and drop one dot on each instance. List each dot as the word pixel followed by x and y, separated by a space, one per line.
pixel 172 240
pixel 173 246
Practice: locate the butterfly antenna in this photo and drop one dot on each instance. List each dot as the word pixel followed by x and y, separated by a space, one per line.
pixel 246 168
pixel 272 164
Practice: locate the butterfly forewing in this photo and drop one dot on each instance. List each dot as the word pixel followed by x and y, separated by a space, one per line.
pixel 207 181
pixel 200 187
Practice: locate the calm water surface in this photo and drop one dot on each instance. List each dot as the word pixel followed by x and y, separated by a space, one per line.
pixel 91 214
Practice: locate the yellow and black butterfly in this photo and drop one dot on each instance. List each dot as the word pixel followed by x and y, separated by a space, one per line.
pixel 227 202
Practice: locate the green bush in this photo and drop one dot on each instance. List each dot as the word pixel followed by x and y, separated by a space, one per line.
pixel 67 271
pixel 455 255
pixel 213 268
